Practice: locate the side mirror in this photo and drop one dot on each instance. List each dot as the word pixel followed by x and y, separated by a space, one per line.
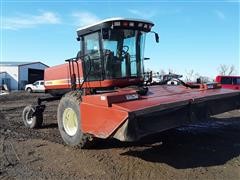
pixel 157 37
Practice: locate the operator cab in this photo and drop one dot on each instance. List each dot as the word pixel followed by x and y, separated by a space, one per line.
pixel 113 49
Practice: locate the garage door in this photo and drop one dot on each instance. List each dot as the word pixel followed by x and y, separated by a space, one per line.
pixel 34 75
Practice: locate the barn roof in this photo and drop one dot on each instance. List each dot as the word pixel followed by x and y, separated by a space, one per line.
pixel 17 63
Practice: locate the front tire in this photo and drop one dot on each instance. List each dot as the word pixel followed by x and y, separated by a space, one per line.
pixel 31 119
pixel 69 120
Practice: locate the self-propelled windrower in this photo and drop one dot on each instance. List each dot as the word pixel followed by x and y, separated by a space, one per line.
pixel 104 91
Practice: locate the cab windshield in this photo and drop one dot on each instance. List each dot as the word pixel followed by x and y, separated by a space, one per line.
pixel 123 53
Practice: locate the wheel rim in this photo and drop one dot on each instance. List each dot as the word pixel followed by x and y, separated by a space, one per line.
pixel 70 123
pixel 29 116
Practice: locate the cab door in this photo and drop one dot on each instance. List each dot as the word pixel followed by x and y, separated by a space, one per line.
pixel 41 86
pixel 227 82
pixel 92 57
pixel 35 86
pixel 236 83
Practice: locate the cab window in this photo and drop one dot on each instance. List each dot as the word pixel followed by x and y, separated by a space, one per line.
pixel 92 60
pixel 226 80
pixel 236 81
pixel 91 43
pixel 36 83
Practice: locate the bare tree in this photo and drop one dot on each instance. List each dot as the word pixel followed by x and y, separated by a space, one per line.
pixel 162 72
pixel 171 71
pixel 197 75
pixel 231 70
pixel 224 69
pixel 201 79
pixel 189 75
pixel 148 70
pixel 204 79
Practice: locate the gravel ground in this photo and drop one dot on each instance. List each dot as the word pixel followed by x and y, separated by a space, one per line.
pixel 209 150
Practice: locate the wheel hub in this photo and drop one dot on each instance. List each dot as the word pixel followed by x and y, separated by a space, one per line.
pixel 29 116
pixel 70 123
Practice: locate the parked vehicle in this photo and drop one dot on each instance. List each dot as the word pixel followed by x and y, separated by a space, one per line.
pixel 37 86
pixel 229 82
pixel 156 79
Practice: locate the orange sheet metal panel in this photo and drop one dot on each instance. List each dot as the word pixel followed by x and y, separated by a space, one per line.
pixel 58 77
pixel 101 121
pixel 158 95
pixel 113 82
pixel 107 99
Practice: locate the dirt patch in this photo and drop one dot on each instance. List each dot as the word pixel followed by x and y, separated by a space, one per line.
pixel 209 150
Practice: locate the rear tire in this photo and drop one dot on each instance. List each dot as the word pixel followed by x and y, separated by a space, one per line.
pixel 30 118
pixel 69 120
pixel 29 90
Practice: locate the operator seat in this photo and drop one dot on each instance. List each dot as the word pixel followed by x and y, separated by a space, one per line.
pixel 112 65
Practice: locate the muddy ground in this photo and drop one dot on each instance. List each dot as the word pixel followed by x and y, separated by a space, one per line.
pixel 209 150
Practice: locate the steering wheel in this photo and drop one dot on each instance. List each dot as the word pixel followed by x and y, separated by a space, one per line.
pixel 124 50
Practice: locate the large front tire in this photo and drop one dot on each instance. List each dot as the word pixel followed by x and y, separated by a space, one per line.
pixel 31 118
pixel 69 120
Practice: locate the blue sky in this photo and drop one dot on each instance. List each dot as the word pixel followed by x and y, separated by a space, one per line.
pixel 194 35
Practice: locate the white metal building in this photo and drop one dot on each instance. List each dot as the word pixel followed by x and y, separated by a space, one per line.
pixel 17 74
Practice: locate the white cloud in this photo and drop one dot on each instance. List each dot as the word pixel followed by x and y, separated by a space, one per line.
pixel 142 14
pixel 220 14
pixel 85 18
pixel 30 21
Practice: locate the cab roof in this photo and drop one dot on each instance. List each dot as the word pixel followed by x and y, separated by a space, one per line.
pixel 117 22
